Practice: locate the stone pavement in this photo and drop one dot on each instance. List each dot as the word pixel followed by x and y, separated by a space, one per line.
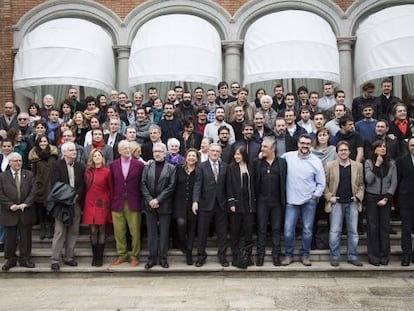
pixel 183 292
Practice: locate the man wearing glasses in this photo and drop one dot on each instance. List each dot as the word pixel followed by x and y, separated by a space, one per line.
pixel 305 183
pixel 24 127
pixel 69 172
pixel 17 193
pixel 130 112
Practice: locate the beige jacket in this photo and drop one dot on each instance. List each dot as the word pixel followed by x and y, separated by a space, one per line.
pixel 332 182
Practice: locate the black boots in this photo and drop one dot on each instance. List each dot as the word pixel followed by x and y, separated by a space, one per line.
pixel 99 255
pixel 94 254
pixel 189 257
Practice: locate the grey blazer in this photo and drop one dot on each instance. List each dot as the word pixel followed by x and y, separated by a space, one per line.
pixel 162 191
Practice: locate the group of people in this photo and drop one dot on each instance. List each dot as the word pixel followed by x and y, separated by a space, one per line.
pixel 190 163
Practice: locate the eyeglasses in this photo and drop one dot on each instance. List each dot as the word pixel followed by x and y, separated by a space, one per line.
pixel 128 107
pixel 22 119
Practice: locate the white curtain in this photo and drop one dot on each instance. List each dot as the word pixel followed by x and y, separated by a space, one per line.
pixel 64 52
pixel 384 45
pixel 175 47
pixel 290 44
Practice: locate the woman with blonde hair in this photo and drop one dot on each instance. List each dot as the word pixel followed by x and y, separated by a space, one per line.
pixel 99 186
pixel 136 151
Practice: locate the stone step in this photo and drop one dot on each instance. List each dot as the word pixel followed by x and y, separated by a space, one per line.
pixel 84 229
pixel 84 241
pixel 321 269
pixel 85 254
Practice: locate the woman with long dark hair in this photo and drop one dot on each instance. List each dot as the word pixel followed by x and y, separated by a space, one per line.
pixel 381 182
pixel 183 199
pixel 41 157
pixel 79 127
pixel 66 111
pixel 326 152
pixel 189 138
pixel 242 205
pixel 98 181
pixel 34 113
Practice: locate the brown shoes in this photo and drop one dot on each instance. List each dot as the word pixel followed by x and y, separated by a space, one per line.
pixel 134 262
pixel 119 261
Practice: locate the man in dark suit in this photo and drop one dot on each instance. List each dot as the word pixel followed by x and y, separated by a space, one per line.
pixel 155 137
pixel 69 172
pixel 17 193
pixel 158 183
pixel 405 172
pixel 209 200
pixel 126 203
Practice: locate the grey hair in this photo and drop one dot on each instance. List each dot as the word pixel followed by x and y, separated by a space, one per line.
pixel 266 97
pixel 65 147
pixel 161 145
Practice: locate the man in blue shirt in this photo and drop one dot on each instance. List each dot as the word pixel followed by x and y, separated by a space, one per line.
pixel 305 183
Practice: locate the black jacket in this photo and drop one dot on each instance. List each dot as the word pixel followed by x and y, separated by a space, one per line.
pixel 60 203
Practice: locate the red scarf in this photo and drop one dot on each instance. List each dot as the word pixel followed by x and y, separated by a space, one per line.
pixel 98 145
pixel 402 125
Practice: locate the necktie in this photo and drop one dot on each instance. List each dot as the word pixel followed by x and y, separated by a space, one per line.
pixel 18 191
pixel 215 171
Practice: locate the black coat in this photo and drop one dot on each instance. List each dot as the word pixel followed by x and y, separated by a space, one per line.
pixel 234 190
pixel 118 138
pixel 59 172
pixel 60 203
pixel 282 182
pixel 405 173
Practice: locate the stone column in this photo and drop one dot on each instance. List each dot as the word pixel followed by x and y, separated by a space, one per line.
pixel 346 66
pixel 122 57
pixel 232 60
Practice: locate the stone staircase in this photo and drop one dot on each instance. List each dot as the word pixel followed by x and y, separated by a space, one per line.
pixel 320 261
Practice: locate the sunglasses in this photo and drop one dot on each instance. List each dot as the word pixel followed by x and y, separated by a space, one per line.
pixel 22 119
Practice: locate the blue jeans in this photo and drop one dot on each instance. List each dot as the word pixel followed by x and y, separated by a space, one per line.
pixel 1 235
pixel 307 211
pixel 350 212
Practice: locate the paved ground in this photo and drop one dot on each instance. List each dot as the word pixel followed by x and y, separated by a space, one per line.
pixel 176 292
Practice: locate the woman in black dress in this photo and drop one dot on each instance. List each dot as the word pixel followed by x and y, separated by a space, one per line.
pixel 183 199
pixel 242 205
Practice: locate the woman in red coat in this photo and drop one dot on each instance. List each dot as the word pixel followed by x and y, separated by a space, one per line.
pixel 98 181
